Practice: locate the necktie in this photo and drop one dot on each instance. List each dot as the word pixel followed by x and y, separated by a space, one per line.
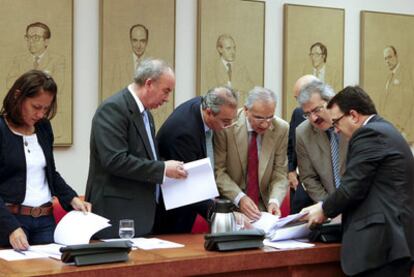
pixel 229 71
pixel 252 169
pixel 335 157
pixel 36 62
pixel 209 146
pixel 149 134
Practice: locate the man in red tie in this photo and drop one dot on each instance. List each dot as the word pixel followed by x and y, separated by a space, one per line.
pixel 250 157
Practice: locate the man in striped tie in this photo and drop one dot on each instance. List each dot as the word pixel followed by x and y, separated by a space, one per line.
pixel 320 152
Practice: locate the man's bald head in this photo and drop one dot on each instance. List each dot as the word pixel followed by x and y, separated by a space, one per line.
pixel 301 82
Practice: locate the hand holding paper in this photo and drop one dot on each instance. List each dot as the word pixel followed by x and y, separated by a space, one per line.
pixel 78 228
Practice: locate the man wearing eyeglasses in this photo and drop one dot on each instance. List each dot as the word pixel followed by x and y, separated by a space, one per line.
pixel 39 57
pixel 376 193
pixel 250 157
pixel 187 136
pixel 318 55
pixel 320 152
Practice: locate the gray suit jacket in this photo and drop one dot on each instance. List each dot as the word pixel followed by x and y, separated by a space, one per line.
pixel 314 160
pixel 230 157
pixel 122 171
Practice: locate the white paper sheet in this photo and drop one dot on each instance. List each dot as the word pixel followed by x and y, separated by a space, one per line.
pixel 288 244
pixel 78 228
pixel 34 252
pixel 151 243
pixel 290 232
pixel 12 255
pixel 268 222
pixel 198 186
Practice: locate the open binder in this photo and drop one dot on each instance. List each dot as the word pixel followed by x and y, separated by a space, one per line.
pixel 96 253
pixel 243 239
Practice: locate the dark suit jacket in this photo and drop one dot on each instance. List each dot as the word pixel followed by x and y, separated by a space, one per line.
pixel 13 173
pixel 182 136
pixel 122 171
pixel 296 119
pixel 376 199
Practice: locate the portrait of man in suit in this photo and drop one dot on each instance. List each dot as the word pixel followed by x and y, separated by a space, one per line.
pixel 228 70
pixel 38 36
pixel 399 88
pixel 318 55
pixel 123 70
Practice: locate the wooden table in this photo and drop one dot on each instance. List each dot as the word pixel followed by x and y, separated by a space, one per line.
pixel 322 260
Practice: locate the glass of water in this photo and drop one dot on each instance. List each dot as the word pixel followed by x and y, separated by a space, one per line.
pixel 126 228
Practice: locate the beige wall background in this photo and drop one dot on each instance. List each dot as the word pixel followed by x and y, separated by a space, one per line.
pixel 73 162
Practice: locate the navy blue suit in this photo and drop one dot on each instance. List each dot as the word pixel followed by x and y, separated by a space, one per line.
pixel 13 174
pixel 299 198
pixel 182 138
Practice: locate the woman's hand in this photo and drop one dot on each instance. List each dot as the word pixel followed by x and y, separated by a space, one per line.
pixel 80 205
pixel 18 239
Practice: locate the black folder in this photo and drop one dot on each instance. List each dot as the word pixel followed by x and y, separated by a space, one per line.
pixel 96 253
pixel 243 239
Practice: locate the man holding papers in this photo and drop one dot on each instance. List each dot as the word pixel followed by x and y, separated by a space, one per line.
pixel 250 157
pixel 125 170
pixel 187 136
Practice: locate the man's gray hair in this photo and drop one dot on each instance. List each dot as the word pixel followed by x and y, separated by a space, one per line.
pixel 259 94
pixel 219 96
pixel 316 86
pixel 151 69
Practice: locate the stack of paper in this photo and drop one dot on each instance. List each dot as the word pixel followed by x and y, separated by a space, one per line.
pixel 78 228
pixel 288 227
pixel 198 186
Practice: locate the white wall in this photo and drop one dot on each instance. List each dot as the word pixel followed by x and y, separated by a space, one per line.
pixel 73 162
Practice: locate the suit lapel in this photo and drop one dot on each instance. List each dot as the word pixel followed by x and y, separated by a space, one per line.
pixel 138 119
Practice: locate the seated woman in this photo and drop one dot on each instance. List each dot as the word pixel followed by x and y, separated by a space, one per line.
pixel 28 177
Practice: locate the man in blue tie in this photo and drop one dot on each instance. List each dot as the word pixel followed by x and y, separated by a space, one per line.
pixel 187 136
pixel 124 169
pixel 320 153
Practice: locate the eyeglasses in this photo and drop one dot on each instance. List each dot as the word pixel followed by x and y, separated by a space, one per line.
pixel 315 55
pixel 316 110
pixel 261 119
pixel 33 38
pixel 336 121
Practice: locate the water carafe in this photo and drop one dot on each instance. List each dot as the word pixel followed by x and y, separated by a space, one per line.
pixel 223 219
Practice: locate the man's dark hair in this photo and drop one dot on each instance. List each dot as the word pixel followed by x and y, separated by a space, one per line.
pixel 46 35
pixel 138 26
pixel 323 49
pixel 353 98
pixel 392 48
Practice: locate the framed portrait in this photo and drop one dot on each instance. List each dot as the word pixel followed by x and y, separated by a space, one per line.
pixel 309 47
pixel 131 31
pixel 39 35
pixel 230 45
pixel 386 66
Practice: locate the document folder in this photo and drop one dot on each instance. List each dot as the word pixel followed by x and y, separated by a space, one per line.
pixel 96 253
pixel 244 239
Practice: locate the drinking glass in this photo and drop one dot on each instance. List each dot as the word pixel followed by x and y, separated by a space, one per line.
pixel 126 228
pixel 239 221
